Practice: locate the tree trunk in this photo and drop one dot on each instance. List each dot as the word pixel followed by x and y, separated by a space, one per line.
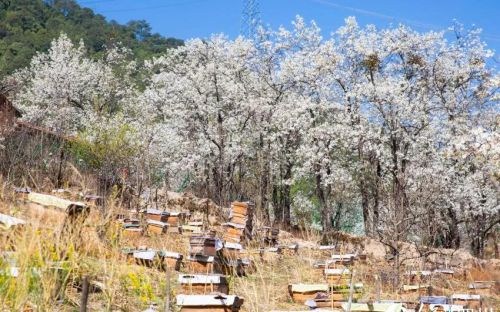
pixel 264 181
pixel 323 204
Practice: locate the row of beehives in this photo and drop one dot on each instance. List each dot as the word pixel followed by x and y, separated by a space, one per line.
pixel 340 286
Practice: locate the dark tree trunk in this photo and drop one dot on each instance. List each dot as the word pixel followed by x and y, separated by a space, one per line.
pixel 323 204
pixel 287 201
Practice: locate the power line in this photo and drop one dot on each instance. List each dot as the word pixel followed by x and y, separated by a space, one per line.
pixel 178 3
pixel 393 18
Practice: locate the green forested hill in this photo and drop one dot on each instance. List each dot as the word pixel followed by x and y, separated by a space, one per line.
pixel 28 26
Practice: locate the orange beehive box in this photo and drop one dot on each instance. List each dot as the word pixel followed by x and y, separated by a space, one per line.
pixel 232 251
pixel 466 300
pixel 239 219
pixel 201 284
pixel 302 292
pixel 156 227
pixel 239 207
pixel 338 277
pixel 171 260
pixel 203 265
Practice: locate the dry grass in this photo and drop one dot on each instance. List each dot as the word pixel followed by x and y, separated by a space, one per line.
pixel 52 261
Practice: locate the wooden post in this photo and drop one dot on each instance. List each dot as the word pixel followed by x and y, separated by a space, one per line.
pixel 167 299
pixel 85 294
pixel 60 169
pixel 351 290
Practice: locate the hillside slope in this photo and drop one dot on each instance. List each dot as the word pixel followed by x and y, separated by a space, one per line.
pixel 28 26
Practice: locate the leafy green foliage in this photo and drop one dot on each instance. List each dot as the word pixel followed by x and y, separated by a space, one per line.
pixel 28 26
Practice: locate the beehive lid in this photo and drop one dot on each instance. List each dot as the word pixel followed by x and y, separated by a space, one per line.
pixel 234 225
pixel 434 299
pixel 191 228
pixel 8 221
pixel 201 258
pixel 230 245
pixel 57 202
pixel 175 213
pixel 375 307
pixel 206 300
pixel 337 271
pixel 170 254
pixel 414 287
pixel 154 211
pixel 329 247
pixel 343 257
pixel 465 297
pixel 145 255
pixel 304 288
pixel 200 279
pixel 157 223
pixel 423 273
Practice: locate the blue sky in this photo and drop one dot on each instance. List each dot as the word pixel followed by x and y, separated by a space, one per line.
pixel 186 19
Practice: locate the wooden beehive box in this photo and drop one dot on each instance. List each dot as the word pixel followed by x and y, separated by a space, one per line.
pixel 240 208
pixel 203 265
pixel 202 284
pixel 175 218
pixel 338 277
pixel 239 267
pixel 326 250
pixel 232 251
pixel 302 292
pixel 422 290
pixel 155 214
pixel 191 230
pixel 467 300
pixel 238 219
pixel 328 302
pixel 22 193
pixel 171 260
pixel 11 223
pixel 484 288
pixel 320 266
pixel 54 205
pixel 271 254
pixel 94 200
pixel 233 232
pixel 156 227
pixel 346 259
pixel 290 250
pixel 132 232
pixel 233 228
pixel 147 258
pixel 204 245
pixel 209 303
pixel 444 272
pixel 417 277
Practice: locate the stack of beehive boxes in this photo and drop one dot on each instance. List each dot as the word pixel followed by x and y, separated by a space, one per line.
pixel 203 254
pixel 239 226
pixel 205 288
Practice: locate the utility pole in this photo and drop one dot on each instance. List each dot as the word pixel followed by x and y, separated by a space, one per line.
pixel 250 18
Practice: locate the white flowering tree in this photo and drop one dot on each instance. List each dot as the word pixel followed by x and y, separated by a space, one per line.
pixel 65 90
pixel 68 92
pixel 200 94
